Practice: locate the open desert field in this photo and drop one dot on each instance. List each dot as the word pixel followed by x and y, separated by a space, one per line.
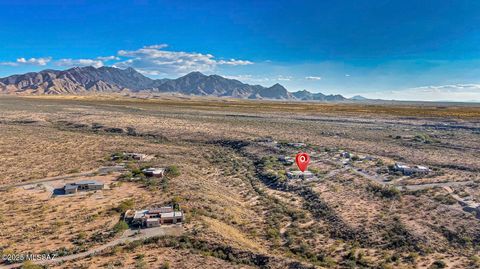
pixel 241 207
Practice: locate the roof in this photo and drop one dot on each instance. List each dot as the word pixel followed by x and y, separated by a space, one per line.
pixel 152 220
pixel 300 173
pixel 402 166
pixel 130 213
pixel 421 167
pixel 153 170
pixel 70 187
pixel 297 144
pixel 171 214
pixel 133 154
pixel 139 214
pixel 163 209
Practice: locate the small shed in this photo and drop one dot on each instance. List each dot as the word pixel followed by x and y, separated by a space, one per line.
pixel 154 172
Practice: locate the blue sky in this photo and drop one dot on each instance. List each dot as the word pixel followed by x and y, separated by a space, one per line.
pixel 409 50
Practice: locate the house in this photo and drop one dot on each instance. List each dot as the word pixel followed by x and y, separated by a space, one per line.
pixel 154 172
pixel 154 217
pixel 407 170
pixel 420 169
pixel 135 156
pixel 152 222
pixel 128 156
pixel 70 188
pixel 297 145
pixel 287 160
pixel 265 140
pixel 84 185
pixel 300 175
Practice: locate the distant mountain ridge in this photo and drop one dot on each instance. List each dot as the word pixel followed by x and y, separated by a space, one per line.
pixel 80 80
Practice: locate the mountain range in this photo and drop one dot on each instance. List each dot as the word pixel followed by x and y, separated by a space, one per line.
pixel 81 80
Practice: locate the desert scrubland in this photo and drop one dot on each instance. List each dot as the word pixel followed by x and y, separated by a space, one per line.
pixel 241 210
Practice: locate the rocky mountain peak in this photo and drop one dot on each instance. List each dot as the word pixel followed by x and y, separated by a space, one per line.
pixel 78 80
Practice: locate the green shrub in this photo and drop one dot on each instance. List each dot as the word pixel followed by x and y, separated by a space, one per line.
pixel 438 265
pixel 388 192
pixel 273 233
pixel 120 227
pixel 173 171
pixel 445 199
pixel 31 265
pixel 165 265
pixel 475 260
pixel 124 206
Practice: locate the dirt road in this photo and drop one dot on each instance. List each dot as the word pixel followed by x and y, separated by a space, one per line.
pixel 128 236
pixel 101 170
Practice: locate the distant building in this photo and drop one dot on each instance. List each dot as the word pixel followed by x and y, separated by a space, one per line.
pixel 297 145
pixel 285 159
pixel 154 172
pixel 346 155
pixel 152 222
pixel 135 156
pixel 407 170
pixel 154 217
pixel 129 156
pixel 84 185
pixel 265 140
pixel 300 175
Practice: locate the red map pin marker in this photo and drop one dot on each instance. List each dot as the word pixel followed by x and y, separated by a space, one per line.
pixel 302 159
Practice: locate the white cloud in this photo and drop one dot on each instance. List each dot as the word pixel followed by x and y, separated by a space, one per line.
pixel 9 63
pixel 451 92
pixel 248 78
pixel 79 62
pixel 159 46
pixel 234 62
pixel 108 58
pixel 149 60
pixel 155 60
pixel 449 88
pixel 284 78
pixel 31 61
pixel 313 78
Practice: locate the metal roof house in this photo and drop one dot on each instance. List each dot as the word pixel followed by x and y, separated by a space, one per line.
pixel 135 156
pixel 84 185
pixel 154 217
pixel 128 156
pixel 300 175
pixel 407 170
pixel 154 172
pixel 297 145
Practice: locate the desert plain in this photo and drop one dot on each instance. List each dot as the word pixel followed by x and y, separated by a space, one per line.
pixel 242 208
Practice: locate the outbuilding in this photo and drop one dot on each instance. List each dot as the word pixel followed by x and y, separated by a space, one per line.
pixel 154 172
pixel 84 185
